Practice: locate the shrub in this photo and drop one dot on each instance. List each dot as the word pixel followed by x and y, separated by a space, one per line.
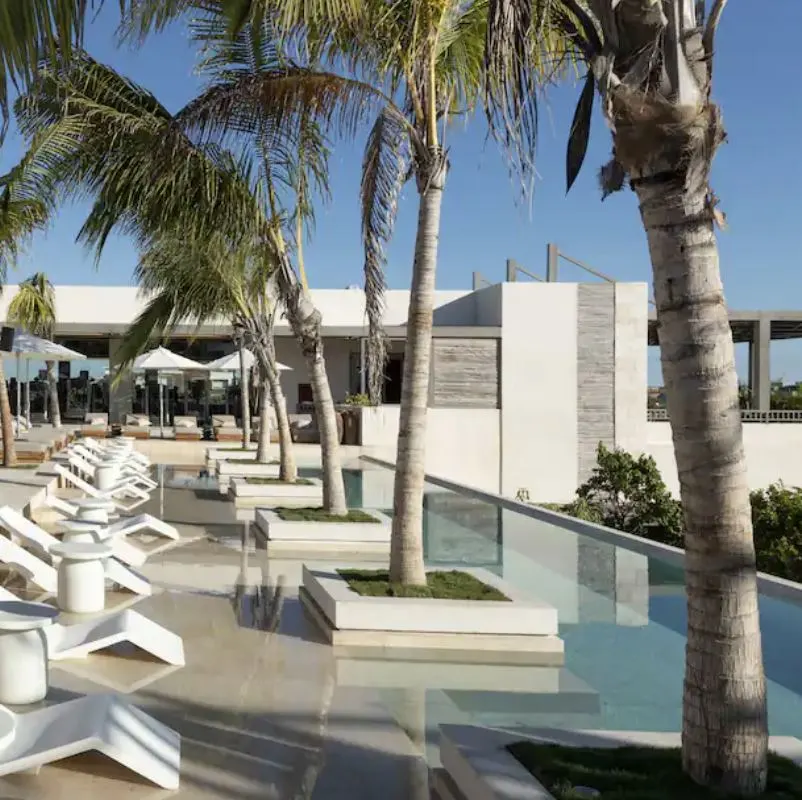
pixel 357 400
pixel 777 524
pixel 628 494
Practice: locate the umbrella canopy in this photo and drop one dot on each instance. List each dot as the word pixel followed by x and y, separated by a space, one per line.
pixel 26 345
pixel 163 360
pixel 230 363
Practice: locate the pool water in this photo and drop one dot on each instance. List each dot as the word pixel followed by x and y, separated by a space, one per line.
pixel 622 617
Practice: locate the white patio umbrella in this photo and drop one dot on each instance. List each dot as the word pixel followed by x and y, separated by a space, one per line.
pixel 165 362
pixel 34 348
pixel 230 363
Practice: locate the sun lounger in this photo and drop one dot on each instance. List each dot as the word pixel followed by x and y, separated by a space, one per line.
pixel 103 448
pixel 30 533
pixel 45 576
pixel 225 428
pixel 105 723
pixel 187 430
pixel 132 477
pixel 137 426
pixel 115 493
pixel 79 639
pixel 96 426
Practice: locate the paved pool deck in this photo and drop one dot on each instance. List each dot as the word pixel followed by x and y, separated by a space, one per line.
pixel 260 707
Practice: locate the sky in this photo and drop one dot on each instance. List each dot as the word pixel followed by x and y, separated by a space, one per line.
pixel 757 176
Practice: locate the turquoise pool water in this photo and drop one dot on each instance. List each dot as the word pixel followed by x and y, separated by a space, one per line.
pixel 622 616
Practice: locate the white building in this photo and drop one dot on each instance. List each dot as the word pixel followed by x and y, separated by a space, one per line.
pixel 527 378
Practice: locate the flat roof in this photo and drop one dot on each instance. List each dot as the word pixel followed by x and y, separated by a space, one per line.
pixel 784 324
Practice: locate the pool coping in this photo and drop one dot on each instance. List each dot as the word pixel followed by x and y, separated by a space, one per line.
pixel 769 585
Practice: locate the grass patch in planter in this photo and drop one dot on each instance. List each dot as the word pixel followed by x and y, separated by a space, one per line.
pixel 635 773
pixel 321 515
pixel 441 585
pixel 261 480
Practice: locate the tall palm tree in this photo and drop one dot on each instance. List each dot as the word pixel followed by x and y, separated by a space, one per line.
pixel 182 281
pixel 289 173
pixel 149 180
pixel 419 65
pixel 34 309
pixel 652 65
pixel 20 216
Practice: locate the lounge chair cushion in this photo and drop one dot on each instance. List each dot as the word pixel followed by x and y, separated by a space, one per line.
pixel 137 421
pixel 186 422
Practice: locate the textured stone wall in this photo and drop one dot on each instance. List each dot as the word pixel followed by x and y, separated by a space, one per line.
pixel 465 373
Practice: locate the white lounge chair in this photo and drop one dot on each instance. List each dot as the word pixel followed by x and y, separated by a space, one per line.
pixel 129 467
pixel 129 476
pixel 103 722
pixel 46 577
pixel 82 638
pixel 123 527
pixel 114 446
pixel 123 489
pixel 23 528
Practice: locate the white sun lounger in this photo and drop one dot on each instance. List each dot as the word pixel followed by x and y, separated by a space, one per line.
pixel 69 509
pixel 123 527
pixel 27 530
pixel 46 577
pixel 114 493
pixel 103 722
pixel 131 477
pixel 80 639
pixel 129 467
pixel 104 447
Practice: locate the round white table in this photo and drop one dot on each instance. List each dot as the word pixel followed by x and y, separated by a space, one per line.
pixel 107 473
pixel 23 653
pixel 94 509
pixel 80 530
pixel 81 576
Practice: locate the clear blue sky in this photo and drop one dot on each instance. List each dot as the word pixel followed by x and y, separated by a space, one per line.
pixel 758 176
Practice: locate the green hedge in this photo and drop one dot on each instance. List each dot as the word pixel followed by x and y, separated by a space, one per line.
pixel 628 494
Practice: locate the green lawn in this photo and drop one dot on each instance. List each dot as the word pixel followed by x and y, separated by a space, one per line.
pixel 635 773
pixel 453 585
pixel 319 515
pixel 296 482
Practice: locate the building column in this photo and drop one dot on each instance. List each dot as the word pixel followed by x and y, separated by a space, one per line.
pixel 121 393
pixel 759 365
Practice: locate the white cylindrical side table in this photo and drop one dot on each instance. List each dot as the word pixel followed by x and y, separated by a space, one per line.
pixel 23 652
pixel 107 474
pixel 94 509
pixel 81 576
pixel 79 530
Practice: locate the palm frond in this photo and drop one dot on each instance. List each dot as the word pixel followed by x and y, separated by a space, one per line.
pixel 34 306
pixel 384 169
pixel 148 328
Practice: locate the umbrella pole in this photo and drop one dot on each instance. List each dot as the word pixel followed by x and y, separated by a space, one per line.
pixel 19 398
pixel 161 406
pixel 28 391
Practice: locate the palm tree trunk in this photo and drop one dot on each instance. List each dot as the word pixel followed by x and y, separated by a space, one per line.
pixel 52 387
pixel 6 423
pixel 245 398
pixel 305 321
pixel 406 547
pixel 263 439
pixel 287 469
pixel 724 731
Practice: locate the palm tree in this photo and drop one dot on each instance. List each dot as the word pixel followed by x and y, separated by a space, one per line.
pixel 652 66
pixel 154 183
pixel 20 216
pixel 420 65
pixel 34 309
pixel 184 282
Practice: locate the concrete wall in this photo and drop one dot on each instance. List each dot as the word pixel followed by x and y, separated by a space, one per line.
pixel 772 453
pixel 461 443
pixel 572 373
pixel 539 389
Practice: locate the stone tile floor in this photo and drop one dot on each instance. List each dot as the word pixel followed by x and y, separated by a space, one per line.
pixel 258 704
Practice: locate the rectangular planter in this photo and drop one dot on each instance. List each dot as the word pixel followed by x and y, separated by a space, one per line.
pixel 215 454
pixel 477 765
pixel 240 468
pixel 276 529
pixel 521 631
pixel 277 494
